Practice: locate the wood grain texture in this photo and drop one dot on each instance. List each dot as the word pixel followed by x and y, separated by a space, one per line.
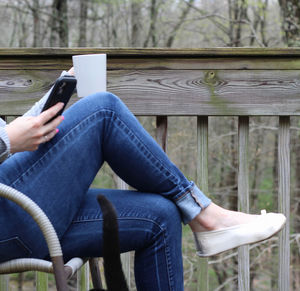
pixel 202 182
pixel 148 62
pixel 243 199
pixel 41 281
pixel 196 52
pixel 190 92
pixel 162 131
pixel 172 92
pixel 125 257
pixel 4 282
pixel 83 279
pixel 284 201
pixel 154 58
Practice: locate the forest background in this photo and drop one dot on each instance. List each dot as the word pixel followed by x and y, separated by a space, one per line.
pixel 187 24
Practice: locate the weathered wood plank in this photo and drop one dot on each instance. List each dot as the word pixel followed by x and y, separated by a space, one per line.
pixel 124 58
pixel 243 199
pixel 83 282
pixel 125 257
pixel 195 52
pixel 284 201
pixel 202 182
pixel 168 92
pixel 144 62
pixel 162 131
pixel 4 282
pixel 95 273
pixel 41 281
pixel 190 92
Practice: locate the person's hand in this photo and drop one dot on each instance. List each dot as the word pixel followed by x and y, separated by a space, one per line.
pixel 26 133
pixel 71 71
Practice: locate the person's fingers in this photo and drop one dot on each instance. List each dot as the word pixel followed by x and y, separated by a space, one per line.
pixel 45 116
pixel 52 125
pixel 71 71
pixel 48 136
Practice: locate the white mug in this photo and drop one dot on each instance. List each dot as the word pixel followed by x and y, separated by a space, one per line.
pixel 90 72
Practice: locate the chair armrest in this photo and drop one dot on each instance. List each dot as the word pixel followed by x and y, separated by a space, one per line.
pixel 23 265
pixel 37 214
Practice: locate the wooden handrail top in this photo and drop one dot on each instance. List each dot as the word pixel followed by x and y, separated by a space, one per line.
pixel 207 82
pixel 154 52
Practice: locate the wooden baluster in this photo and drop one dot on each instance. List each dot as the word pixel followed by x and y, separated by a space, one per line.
pixel 83 283
pixel 4 282
pixel 4 279
pixel 41 281
pixel 284 201
pixel 202 182
pixel 162 131
pixel 125 257
pixel 243 199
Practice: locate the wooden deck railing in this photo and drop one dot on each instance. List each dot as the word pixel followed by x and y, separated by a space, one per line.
pixel 202 83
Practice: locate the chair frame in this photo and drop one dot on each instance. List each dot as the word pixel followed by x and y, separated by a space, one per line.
pixel 61 271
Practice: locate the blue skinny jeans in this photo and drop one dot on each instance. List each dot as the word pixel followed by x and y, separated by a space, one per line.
pixel 58 176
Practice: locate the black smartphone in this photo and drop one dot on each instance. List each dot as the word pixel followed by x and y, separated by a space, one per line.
pixel 62 91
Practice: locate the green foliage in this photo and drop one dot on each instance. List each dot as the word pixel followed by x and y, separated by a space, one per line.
pixel 266 196
pixel 104 178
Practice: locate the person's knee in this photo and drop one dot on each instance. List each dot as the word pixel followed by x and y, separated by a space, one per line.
pixel 168 213
pixel 106 100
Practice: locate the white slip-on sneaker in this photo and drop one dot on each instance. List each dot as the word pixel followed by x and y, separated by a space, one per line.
pixel 209 243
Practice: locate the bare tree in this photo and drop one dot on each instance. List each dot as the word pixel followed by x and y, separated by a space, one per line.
pixel 136 23
pixel 152 33
pixel 35 8
pixel 237 12
pixel 290 11
pixel 177 25
pixel 259 10
pixel 82 23
pixel 59 24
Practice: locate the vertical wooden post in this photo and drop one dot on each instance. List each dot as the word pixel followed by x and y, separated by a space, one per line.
pixel 4 279
pixel 202 182
pixel 83 283
pixel 4 282
pixel 243 199
pixel 284 201
pixel 95 273
pixel 162 131
pixel 41 281
pixel 125 257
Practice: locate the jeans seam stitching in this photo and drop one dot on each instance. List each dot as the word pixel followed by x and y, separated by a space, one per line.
pixel 139 142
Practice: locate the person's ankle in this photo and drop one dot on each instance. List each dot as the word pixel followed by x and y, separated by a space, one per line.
pixel 208 219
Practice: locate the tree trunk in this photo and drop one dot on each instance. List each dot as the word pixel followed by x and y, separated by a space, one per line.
pixel 237 12
pixel 290 13
pixel 136 23
pixel 36 23
pixel 181 20
pixel 152 29
pixel 260 20
pixel 82 23
pixel 59 25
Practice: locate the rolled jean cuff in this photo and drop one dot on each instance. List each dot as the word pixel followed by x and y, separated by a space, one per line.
pixel 192 203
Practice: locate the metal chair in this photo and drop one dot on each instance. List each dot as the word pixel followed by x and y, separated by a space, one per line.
pixel 62 272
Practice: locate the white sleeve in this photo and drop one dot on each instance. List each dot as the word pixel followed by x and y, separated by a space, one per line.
pixel 4 142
